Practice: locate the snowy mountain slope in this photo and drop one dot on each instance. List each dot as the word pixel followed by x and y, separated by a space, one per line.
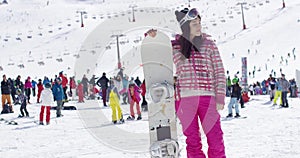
pixel 33 30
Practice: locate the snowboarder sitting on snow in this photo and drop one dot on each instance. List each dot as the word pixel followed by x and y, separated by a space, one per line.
pixel 134 98
pixel 47 100
pixel 235 96
pixel 114 98
pixel 23 101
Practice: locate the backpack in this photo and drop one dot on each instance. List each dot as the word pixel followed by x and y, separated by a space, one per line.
pixel 6 109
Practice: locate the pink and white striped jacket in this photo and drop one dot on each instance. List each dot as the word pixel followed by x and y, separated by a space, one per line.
pixel 202 74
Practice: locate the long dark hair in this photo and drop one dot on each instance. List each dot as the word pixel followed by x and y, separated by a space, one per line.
pixel 185 43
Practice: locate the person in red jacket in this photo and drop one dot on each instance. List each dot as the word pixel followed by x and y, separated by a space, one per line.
pixel 73 87
pixel 64 82
pixel 144 103
pixel 245 97
pixel 40 89
pixel 80 92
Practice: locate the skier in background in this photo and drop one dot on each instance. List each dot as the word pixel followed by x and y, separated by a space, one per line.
pixel 23 101
pixel 234 100
pixel 134 98
pixel 58 94
pixel 33 83
pixel 85 83
pixel 272 85
pixel 47 101
pixel 114 99
pixel 5 93
pixel 144 102
pixel 103 83
pixel 28 87
pixel 12 90
pixel 138 81
pixel 285 88
pixel 40 89
pixel 278 93
pixel 64 83
pixel 19 83
pixel 80 92
pixel 72 87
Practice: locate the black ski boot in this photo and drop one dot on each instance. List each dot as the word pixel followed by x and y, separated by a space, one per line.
pixel 121 120
pixel 229 116
pixel 139 117
pixel 130 118
pixel 20 116
pixel 237 115
pixel 115 122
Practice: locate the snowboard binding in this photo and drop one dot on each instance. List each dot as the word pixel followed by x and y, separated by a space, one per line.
pixel 167 148
pixel 161 91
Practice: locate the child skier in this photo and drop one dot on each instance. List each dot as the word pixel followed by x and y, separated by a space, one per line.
pixel 114 98
pixel 47 100
pixel 134 98
pixel 23 101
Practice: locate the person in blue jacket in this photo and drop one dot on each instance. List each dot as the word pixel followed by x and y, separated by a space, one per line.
pixel 33 83
pixel 58 94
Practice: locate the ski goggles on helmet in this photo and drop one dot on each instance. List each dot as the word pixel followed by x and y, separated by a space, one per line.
pixel 190 15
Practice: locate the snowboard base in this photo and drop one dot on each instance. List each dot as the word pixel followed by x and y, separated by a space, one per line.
pixel 65 108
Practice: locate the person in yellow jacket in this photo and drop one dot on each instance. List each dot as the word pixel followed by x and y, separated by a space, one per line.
pixel 278 93
pixel 114 98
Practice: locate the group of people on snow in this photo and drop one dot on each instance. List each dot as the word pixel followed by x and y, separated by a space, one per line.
pixel 111 90
pixel 277 88
pixel 48 92
pixel 130 90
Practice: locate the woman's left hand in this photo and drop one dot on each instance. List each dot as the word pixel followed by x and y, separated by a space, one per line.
pixel 220 106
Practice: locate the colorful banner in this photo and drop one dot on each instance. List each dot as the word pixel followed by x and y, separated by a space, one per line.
pixel 244 81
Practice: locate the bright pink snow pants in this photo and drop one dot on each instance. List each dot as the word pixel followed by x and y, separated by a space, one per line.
pixel 204 107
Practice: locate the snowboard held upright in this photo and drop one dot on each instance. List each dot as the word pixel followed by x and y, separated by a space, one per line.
pixel 156 53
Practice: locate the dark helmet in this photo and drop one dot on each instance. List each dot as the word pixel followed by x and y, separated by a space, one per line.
pixel 48 85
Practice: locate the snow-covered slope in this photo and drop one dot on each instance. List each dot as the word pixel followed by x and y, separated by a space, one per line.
pixel 35 32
